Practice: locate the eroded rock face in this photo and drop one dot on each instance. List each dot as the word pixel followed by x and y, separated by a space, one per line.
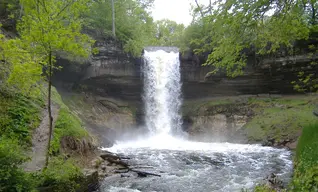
pixel 261 75
pixel 106 118
pixel 218 128
pixel 214 122
pixel 113 74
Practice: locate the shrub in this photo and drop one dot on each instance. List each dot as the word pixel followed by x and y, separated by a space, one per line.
pixel 61 175
pixel 12 177
pixel 19 115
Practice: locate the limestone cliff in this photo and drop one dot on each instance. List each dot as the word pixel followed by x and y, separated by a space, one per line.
pixel 114 77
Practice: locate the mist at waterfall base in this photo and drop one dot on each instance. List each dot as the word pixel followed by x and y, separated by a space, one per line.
pixel 185 165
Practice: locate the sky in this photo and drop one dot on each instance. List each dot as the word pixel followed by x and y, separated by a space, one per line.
pixel 176 10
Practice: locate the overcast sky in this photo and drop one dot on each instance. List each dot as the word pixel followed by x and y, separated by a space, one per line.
pixel 177 10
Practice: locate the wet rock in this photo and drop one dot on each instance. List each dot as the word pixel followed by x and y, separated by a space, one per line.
pixel 274 182
pixel 104 167
pixel 90 182
pixel 107 155
pixel 96 162
pixel 125 175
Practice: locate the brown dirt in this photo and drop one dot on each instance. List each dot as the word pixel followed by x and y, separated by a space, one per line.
pixel 40 141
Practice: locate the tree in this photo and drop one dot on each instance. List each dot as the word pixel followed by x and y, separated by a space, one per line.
pixel 19 69
pixel 134 25
pixel 262 27
pixel 168 33
pixel 113 18
pixel 51 27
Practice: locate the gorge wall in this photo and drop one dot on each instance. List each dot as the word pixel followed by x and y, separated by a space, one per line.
pixel 112 72
pixel 112 76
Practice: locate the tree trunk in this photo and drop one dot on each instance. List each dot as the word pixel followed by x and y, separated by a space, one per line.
pixel 113 14
pixel 202 15
pixel 49 108
pixel 313 16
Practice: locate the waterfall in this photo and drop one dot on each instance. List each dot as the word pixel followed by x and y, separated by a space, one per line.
pixel 162 91
pixel 185 165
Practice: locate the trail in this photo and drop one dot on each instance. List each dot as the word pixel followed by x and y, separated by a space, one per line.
pixel 40 141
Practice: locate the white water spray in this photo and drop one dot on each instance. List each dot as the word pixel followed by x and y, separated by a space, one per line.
pixel 186 165
pixel 162 96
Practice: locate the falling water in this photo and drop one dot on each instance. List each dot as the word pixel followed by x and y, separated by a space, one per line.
pixel 186 165
pixel 162 91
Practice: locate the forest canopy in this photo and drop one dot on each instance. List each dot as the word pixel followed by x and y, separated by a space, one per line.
pixel 227 31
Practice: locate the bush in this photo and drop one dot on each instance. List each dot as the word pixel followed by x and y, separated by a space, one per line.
pixel 61 175
pixel 19 115
pixel 12 177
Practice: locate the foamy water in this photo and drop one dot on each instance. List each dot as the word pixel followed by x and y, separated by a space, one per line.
pixel 162 92
pixel 196 166
pixel 187 166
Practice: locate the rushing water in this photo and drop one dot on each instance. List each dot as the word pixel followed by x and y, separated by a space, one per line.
pixel 185 165
pixel 162 91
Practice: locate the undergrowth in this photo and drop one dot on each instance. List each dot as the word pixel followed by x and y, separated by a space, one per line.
pixel 19 116
pixel 67 124
pixel 61 175
pixel 12 176
pixel 306 160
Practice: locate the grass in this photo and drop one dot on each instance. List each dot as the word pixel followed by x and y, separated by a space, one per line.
pixel 307 148
pixel 198 107
pixel 306 160
pixel 279 119
pixel 61 175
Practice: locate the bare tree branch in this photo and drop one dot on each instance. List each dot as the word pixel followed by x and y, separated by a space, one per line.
pixel 200 9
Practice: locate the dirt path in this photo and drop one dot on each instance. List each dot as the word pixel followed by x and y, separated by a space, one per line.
pixel 40 141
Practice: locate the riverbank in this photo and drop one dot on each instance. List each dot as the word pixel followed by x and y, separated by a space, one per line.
pixel 275 120
pixel 75 161
pixel 23 144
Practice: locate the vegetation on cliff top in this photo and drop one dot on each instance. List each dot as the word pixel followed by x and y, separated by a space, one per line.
pixel 230 31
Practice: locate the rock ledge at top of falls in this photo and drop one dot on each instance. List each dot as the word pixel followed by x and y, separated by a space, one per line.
pixel 166 49
pixel 114 73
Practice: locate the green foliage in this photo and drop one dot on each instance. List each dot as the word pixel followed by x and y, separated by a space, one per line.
pixel 134 25
pixel 263 188
pixel 50 27
pixel 169 33
pixel 231 30
pixel 67 124
pixel 8 10
pixel 306 82
pixel 12 177
pixel 19 115
pixel 61 175
pixel 19 68
pixel 306 161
